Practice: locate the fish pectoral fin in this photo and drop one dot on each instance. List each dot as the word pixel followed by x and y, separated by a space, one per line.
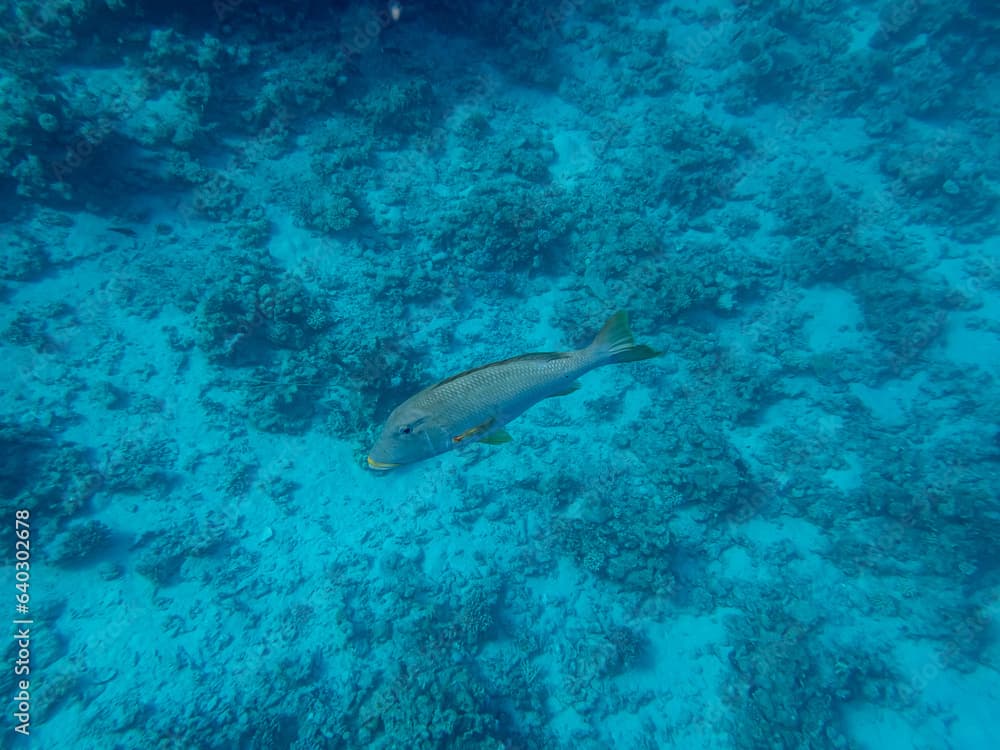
pixel 472 432
pixel 573 388
pixel 497 438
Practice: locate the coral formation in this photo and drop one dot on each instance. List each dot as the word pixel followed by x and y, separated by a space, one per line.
pixel 235 236
pixel 82 543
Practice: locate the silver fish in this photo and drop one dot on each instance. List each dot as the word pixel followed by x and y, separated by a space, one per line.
pixel 476 405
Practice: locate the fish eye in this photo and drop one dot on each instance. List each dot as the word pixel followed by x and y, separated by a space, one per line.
pixel 406 430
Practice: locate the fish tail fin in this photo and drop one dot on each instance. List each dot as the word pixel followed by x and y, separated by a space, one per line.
pixel 615 344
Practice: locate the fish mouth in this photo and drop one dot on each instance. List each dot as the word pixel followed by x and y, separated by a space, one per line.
pixel 380 465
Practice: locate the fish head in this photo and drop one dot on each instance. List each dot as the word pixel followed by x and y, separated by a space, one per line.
pixel 409 435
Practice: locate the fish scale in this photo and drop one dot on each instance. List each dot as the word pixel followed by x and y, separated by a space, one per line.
pixel 504 384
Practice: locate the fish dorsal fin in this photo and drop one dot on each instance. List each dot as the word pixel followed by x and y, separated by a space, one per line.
pixel 573 388
pixel 473 432
pixel 497 438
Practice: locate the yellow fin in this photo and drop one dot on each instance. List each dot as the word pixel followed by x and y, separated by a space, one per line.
pixel 497 438
pixel 573 388
pixel 479 429
pixel 615 344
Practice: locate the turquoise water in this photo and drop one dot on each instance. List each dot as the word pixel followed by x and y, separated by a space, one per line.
pixel 235 236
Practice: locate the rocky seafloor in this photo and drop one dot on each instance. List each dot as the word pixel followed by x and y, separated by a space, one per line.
pixel 235 235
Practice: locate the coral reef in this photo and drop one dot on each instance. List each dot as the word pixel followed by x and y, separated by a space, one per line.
pixel 81 543
pixel 42 473
pixel 237 235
